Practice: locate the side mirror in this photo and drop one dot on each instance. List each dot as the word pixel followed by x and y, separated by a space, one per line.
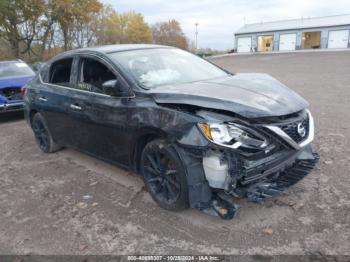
pixel 114 88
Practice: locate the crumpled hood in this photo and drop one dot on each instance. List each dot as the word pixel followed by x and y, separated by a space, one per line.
pixel 249 95
pixel 18 81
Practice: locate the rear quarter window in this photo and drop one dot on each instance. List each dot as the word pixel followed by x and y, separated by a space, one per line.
pixel 44 73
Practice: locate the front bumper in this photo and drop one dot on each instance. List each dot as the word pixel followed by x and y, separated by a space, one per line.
pixel 235 175
pixel 12 107
pixel 272 182
pixel 280 178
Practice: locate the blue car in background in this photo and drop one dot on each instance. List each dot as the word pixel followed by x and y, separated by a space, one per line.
pixel 13 76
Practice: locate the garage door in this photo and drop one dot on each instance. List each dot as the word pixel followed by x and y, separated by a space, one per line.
pixel 338 39
pixel 244 44
pixel 287 42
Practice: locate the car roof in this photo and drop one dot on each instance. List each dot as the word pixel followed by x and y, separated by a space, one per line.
pixel 116 48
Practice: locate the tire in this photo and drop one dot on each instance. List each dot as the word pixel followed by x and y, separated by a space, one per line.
pixel 42 134
pixel 164 175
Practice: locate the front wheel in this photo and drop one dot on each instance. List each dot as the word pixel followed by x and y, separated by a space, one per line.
pixel 164 175
pixel 42 135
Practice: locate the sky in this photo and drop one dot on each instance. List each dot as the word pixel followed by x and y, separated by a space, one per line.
pixel 219 19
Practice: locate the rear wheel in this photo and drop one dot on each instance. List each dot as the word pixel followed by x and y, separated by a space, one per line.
pixel 164 175
pixel 42 135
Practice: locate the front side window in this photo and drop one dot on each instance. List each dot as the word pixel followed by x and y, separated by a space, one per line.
pixel 163 66
pixel 15 69
pixel 60 72
pixel 93 74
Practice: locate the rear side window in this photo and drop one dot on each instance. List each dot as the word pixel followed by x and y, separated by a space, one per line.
pixel 60 72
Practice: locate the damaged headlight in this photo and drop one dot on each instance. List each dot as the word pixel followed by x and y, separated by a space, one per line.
pixel 233 135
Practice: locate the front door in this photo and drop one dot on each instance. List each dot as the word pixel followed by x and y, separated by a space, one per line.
pixel 100 119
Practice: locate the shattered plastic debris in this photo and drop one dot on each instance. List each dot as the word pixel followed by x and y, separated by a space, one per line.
pixel 86 197
pixel 221 207
pixel 268 231
pixel 82 205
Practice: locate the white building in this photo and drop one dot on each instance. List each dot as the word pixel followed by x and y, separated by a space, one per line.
pixel 330 32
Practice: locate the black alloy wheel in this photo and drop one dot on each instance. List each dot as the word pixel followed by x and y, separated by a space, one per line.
pixel 164 175
pixel 42 135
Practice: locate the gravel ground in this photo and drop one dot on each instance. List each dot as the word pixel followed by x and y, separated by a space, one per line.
pixel 70 203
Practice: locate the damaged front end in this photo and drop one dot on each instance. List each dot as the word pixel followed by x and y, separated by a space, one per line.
pixel 256 160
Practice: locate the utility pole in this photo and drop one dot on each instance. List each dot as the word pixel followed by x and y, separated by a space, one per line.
pixel 196 33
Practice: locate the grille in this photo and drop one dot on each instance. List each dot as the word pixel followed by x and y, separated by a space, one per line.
pixel 291 129
pixel 13 93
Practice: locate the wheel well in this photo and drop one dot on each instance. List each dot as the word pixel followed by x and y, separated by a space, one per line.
pixel 31 115
pixel 142 141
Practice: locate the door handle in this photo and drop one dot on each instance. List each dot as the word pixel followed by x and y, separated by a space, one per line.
pixel 75 107
pixel 42 99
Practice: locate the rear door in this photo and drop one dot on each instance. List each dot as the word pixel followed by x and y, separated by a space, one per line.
pixel 100 120
pixel 53 98
pixel 338 39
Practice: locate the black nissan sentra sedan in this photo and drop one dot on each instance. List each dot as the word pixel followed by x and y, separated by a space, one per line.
pixel 195 132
